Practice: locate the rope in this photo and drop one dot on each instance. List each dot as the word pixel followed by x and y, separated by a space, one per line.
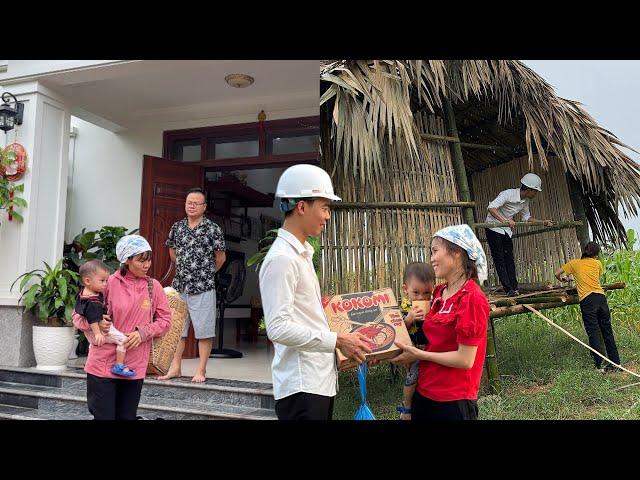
pixel 578 340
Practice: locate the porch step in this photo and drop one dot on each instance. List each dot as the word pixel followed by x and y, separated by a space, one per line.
pixel 63 395
pixel 10 412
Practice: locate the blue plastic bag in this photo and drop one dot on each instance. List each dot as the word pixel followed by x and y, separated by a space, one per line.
pixel 364 412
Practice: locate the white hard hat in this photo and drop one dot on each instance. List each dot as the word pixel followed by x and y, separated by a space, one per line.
pixel 532 180
pixel 305 181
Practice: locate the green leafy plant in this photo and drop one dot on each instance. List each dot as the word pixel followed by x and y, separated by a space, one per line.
pixel 265 244
pixel 100 244
pixel 263 247
pixel 9 200
pixel 52 297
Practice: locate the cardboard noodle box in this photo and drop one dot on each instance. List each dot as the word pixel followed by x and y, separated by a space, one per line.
pixel 374 314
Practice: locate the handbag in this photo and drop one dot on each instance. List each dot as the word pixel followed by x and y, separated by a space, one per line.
pixel 164 348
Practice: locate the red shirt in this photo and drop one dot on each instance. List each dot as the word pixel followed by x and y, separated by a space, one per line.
pixel 462 319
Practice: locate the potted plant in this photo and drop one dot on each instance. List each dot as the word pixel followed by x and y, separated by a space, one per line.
pixel 51 299
pixel 100 244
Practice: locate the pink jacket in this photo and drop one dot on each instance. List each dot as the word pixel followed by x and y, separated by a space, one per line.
pixel 127 299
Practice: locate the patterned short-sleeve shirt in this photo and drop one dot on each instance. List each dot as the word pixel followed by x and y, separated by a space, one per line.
pixel 195 259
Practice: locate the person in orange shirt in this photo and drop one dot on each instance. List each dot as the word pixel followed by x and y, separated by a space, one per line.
pixel 593 304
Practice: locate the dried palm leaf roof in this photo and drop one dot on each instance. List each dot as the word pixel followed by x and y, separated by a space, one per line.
pixel 497 102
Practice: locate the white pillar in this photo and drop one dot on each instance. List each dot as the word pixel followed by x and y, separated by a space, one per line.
pixel 24 246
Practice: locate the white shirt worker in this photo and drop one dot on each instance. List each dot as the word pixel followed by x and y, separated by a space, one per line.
pixel 509 204
pixel 304 357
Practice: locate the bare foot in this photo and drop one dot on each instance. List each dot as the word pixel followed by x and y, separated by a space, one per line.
pixel 199 377
pixel 171 374
pixel 405 416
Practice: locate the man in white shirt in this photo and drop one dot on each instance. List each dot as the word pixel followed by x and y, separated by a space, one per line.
pixel 304 367
pixel 502 210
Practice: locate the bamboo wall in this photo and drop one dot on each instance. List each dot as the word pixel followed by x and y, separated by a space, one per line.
pixel 364 249
pixel 536 256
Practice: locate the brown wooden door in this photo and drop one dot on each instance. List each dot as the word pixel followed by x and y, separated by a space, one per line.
pixel 164 187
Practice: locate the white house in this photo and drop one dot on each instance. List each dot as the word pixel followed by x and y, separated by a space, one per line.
pixel 88 126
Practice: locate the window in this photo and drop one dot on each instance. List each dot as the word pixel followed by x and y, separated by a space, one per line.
pixel 220 149
pixel 273 142
pixel 187 151
pixel 293 143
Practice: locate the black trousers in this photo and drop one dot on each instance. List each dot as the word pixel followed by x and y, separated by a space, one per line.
pixel 113 398
pixel 501 247
pixel 597 323
pixel 305 406
pixel 424 409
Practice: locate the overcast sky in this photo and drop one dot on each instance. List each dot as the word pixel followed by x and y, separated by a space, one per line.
pixel 608 89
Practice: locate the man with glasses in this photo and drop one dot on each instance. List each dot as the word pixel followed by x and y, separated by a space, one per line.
pixel 196 246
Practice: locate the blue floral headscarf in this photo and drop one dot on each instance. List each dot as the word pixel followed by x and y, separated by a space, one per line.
pixel 131 245
pixel 463 236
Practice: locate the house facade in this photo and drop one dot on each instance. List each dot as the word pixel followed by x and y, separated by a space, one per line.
pixel 97 131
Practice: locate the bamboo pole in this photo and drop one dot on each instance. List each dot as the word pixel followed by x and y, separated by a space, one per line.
pixel 542 299
pixel 441 138
pixel 458 161
pixel 606 288
pixel 535 286
pixel 547 229
pixel 518 309
pixel 405 205
pixel 477 146
pixel 491 362
pixel 535 223
pixel 579 214
pixel 502 302
pixel 545 302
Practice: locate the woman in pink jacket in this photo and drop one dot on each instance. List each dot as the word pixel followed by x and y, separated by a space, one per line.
pixel 141 318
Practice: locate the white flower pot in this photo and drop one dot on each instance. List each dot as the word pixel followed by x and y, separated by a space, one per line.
pixel 51 346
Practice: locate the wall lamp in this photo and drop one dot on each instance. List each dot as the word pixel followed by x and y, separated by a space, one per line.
pixel 10 116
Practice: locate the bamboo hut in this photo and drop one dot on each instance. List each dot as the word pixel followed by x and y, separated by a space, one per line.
pixel 416 145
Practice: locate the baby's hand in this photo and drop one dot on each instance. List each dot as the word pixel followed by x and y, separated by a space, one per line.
pixel 99 339
pixel 409 318
pixel 418 313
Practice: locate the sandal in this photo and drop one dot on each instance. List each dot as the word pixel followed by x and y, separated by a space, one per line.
pixel 122 370
pixel 403 410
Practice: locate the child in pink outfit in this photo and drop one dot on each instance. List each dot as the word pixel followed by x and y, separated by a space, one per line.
pixel 90 304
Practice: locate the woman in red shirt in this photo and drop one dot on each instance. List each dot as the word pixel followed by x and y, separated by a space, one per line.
pixel 456 330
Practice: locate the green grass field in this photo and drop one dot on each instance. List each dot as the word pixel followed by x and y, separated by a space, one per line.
pixel 544 374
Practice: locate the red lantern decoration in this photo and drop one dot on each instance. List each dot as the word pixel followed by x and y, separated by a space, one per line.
pixel 16 169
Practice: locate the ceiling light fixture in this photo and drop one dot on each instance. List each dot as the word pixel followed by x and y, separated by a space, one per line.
pixel 239 80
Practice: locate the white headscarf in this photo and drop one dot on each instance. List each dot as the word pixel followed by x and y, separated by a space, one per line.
pixel 463 236
pixel 131 245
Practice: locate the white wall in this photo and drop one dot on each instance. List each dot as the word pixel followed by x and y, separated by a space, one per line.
pixel 105 176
